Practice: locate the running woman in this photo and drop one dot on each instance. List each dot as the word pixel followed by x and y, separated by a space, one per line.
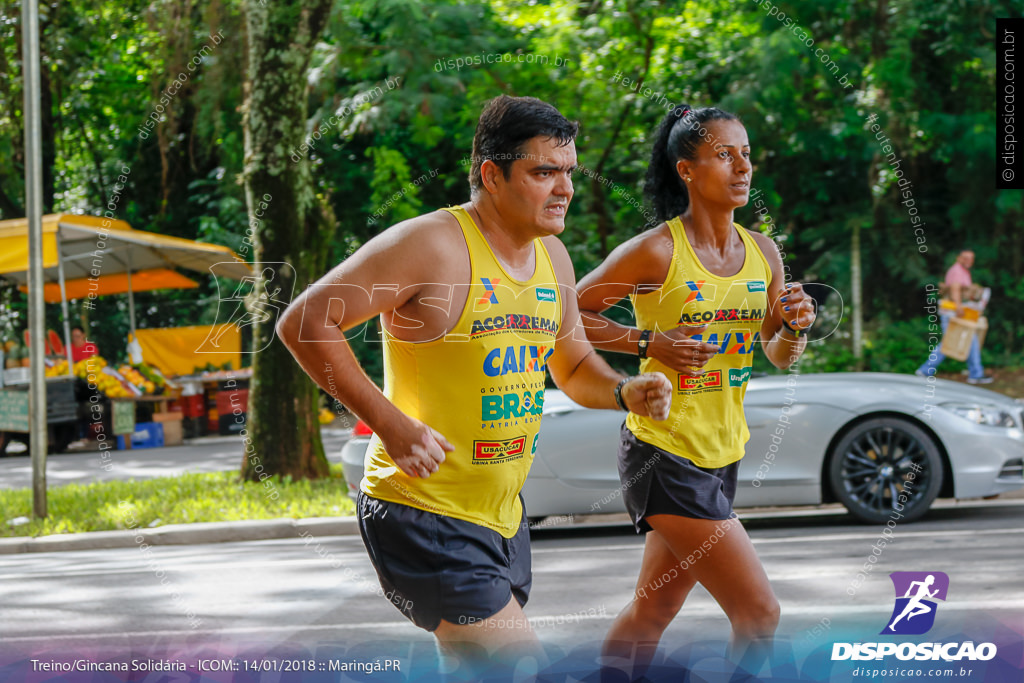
pixel 477 302
pixel 700 286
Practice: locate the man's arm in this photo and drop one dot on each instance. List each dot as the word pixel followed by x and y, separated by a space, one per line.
pixel 584 375
pixel 956 295
pixel 385 274
pixel 612 281
pixel 788 302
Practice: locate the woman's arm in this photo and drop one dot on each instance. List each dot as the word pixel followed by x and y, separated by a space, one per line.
pixel 639 265
pixel 787 302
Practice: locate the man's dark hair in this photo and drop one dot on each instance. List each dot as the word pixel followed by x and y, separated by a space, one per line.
pixel 505 126
pixel 77 327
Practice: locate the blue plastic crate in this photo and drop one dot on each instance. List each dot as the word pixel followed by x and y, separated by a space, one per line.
pixel 146 435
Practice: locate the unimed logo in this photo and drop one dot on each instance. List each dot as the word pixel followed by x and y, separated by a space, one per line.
pixel 546 294
pixel 913 614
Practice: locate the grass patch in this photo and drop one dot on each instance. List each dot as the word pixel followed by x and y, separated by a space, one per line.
pixel 187 498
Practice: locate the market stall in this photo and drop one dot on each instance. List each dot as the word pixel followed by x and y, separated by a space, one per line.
pixel 87 257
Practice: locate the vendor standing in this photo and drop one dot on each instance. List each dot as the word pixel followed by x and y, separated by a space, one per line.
pixel 80 347
pixel 957 282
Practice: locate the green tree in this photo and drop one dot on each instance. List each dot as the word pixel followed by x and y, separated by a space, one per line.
pixel 293 233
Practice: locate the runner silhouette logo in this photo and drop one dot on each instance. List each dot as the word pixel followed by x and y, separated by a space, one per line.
pixel 916 595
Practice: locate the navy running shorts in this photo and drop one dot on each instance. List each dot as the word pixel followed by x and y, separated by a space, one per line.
pixel 656 482
pixel 434 567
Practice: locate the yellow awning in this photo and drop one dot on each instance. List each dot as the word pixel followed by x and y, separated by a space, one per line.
pixel 116 283
pixel 94 247
pixel 179 350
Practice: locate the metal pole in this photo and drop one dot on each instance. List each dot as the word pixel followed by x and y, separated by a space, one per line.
pixel 855 284
pixel 34 214
pixel 64 306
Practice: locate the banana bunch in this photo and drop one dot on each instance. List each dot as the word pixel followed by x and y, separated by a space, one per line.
pixel 58 369
pixel 89 366
pixel 152 374
pixel 114 385
pixel 106 379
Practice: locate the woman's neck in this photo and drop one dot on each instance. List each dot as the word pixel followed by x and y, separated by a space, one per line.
pixel 710 227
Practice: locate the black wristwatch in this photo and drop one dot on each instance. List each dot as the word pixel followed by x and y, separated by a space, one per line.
pixel 618 393
pixel 641 346
pixel 796 333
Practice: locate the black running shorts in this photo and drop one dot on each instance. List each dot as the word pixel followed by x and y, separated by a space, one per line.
pixel 436 567
pixel 656 482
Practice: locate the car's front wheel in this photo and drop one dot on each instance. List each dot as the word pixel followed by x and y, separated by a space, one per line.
pixel 886 468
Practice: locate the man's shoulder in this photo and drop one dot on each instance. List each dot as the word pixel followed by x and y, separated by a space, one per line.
pixel 436 226
pixel 433 237
pixel 560 259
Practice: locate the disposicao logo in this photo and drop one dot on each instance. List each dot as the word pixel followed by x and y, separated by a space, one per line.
pixel 916 593
pixel 913 615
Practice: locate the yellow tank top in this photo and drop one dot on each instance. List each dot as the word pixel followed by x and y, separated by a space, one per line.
pixel 706 422
pixel 482 386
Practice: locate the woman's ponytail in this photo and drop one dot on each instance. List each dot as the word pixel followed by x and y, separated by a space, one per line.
pixel 678 137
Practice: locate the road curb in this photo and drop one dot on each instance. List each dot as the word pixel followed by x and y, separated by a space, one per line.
pixel 268 529
pixel 245 530
pixel 184 534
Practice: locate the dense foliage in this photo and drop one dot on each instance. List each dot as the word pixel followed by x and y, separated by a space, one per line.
pixel 404 81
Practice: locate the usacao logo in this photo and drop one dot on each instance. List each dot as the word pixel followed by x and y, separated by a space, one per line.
pixel 709 381
pixel 485 452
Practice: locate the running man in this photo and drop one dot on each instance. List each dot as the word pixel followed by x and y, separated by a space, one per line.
pixel 700 287
pixel 915 606
pixel 476 302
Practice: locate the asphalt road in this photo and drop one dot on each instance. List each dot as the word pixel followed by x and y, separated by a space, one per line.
pixel 205 454
pixel 268 594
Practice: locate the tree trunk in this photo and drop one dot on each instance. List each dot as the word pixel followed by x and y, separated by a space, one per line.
pixel 48 139
pixel 291 233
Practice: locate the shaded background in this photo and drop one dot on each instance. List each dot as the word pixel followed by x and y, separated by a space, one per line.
pixel 926 69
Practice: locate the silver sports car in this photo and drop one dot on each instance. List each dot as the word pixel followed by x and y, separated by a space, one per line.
pixel 875 442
